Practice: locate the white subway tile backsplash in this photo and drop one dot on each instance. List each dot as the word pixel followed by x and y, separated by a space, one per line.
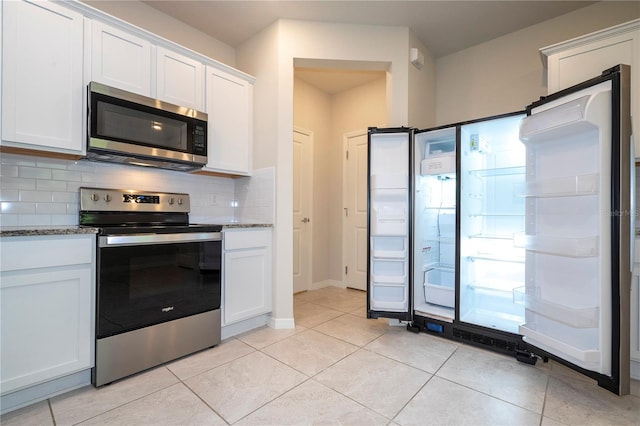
pixel 51 185
pixel 34 172
pixel 64 197
pixel 9 195
pixel 41 192
pixel 66 175
pixel 27 220
pixel 17 183
pixel 7 170
pixel 8 219
pixel 18 207
pixel 51 208
pixel 26 196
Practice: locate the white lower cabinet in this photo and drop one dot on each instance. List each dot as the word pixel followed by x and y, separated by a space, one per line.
pixel 47 306
pixel 246 274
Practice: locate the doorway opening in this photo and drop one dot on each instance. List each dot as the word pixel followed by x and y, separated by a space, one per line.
pixel 335 102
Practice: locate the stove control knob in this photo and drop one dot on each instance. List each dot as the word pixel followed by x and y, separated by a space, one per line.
pixel 171 201
pixel 95 197
pixel 107 198
pixel 179 201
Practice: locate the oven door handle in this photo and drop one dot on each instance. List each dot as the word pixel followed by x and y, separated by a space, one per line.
pixel 149 239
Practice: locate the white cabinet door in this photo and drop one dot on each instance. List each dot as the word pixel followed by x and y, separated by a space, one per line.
pixel 229 104
pixel 179 79
pixel 247 275
pixel 46 309
pixel 42 90
pixel 120 59
pixel 579 59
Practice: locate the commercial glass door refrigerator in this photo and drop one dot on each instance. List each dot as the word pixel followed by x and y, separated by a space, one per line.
pixel 513 232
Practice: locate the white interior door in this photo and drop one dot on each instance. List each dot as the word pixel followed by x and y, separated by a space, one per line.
pixel 355 210
pixel 302 204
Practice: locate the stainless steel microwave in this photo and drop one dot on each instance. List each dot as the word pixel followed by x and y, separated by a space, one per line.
pixel 128 128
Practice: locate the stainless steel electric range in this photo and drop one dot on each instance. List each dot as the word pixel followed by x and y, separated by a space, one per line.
pixel 158 280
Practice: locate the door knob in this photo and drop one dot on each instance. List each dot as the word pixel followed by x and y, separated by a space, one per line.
pixel 305 220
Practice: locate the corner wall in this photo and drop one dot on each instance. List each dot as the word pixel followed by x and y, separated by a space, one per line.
pixel 506 74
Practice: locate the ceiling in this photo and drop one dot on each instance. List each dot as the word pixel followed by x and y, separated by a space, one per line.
pixel 443 26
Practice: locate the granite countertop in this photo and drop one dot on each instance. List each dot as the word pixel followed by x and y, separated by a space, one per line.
pixel 17 231
pixel 26 231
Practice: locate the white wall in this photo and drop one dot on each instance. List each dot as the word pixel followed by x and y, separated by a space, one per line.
pixel 286 41
pixel 312 111
pixel 506 74
pixel 260 57
pixel 422 88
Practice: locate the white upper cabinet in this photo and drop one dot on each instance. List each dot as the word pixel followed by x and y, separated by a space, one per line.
pixel 179 79
pixel 585 57
pixel 42 90
pixel 120 59
pixel 229 104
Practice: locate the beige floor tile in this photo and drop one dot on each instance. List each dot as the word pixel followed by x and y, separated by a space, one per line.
pixel 361 312
pixel 546 421
pixel 265 336
pixel 310 351
pixel 574 402
pixel 441 402
pixel 37 414
pixel 240 387
pixel 352 329
pixel 313 403
pixel 377 382
pixel 419 350
pixel 87 402
pixel 309 314
pixel 497 375
pixel 175 405
pixel 206 360
pixel 343 302
pixel 309 296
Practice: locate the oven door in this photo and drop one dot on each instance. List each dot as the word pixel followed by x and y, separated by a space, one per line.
pixel 148 279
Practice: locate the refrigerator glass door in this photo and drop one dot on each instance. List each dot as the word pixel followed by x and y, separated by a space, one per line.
pixel 492 212
pixel 389 216
pixel 434 223
pixel 567 238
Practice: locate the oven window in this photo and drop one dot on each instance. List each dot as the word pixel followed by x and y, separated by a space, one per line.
pixel 118 122
pixel 144 285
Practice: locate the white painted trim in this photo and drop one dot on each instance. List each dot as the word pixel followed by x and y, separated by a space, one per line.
pixel 243 326
pixel 327 283
pixel 31 395
pixel 282 323
pixel 623 28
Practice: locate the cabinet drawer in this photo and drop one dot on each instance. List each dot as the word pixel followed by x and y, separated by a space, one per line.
pixel 234 240
pixel 43 252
